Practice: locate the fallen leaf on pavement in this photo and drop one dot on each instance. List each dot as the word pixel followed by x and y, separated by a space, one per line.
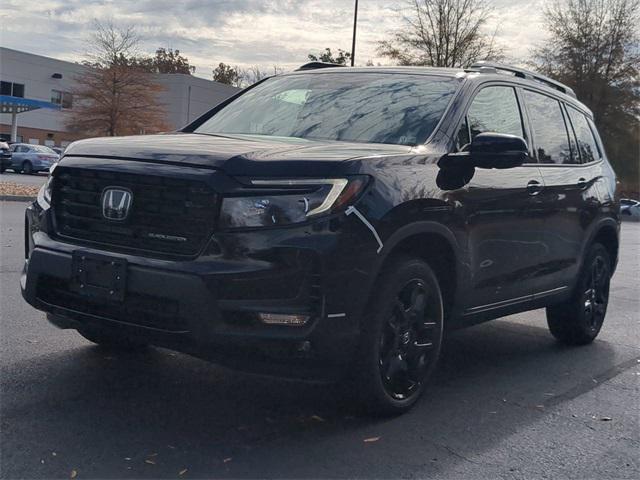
pixel 74 474
pixel 182 472
pixel 227 460
pixel 605 419
pixel 149 461
pixel 371 439
pixel 317 418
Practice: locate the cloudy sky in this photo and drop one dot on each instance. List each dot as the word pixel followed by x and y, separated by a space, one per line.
pixel 238 32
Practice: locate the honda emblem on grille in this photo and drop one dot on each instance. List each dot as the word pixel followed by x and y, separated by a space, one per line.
pixel 116 203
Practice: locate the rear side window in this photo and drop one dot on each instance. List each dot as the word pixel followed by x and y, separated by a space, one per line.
pixel 587 145
pixel 549 129
pixel 495 109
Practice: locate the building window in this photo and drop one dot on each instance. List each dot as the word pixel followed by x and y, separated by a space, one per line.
pixel 13 89
pixel 65 99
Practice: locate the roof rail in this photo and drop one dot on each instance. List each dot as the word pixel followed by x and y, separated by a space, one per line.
pixel 316 65
pixel 485 66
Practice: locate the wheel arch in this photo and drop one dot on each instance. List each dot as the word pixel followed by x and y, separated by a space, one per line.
pixel 607 233
pixel 437 245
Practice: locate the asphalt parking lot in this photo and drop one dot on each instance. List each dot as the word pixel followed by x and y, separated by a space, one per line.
pixel 34 179
pixel 508 402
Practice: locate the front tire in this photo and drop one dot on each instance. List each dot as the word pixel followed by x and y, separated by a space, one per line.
pixel 111 341
pixel 402 337
pixel 579 320
pixel 27 168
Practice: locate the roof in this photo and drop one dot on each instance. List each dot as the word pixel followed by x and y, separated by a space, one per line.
pixel 10 104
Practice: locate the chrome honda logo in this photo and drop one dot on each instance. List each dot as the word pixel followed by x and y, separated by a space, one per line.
pixel 116 203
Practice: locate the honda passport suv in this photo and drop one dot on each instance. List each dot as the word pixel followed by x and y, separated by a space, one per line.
pixel 332 222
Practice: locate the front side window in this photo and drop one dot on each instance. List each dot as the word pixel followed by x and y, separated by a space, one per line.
pixel 399 109
pixel 587 145
pixel 549 129
pixel 495 109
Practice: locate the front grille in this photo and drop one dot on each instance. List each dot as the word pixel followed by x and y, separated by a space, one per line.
pixel 168 215
pixel 137 309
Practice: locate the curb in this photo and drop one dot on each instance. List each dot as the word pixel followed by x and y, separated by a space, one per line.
pixel 17 198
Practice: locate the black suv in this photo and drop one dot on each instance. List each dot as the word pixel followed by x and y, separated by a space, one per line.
pixel 332 222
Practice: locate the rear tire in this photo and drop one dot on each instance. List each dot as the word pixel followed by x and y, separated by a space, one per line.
pixel 579 320
pixel 27 168
pixel 110 341
pixel 401 338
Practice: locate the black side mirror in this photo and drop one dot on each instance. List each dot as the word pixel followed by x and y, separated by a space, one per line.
pixel 498 150
pixel 489 150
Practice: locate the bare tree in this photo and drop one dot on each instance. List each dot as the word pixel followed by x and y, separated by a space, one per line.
pixel 114 96
pixel 442 33
pixel 255 73
pixel 594 47
pixel 243 77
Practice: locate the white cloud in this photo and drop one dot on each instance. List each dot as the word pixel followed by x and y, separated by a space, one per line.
pixel 239 32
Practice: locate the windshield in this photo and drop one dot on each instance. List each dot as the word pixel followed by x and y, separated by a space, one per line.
pixel 358 107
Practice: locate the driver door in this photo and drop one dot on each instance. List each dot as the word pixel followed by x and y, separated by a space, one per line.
pixel 501 210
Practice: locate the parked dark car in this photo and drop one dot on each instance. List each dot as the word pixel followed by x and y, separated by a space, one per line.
pixel 28 159
pixel 331 223
pixel 5 156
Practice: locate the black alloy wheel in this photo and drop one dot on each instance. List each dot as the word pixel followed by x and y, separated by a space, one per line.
pixel 578 320
pixel 407 340
pixel 401 337
pixel 596 295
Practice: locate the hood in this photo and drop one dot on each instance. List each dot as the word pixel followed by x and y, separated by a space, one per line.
pixel 235 154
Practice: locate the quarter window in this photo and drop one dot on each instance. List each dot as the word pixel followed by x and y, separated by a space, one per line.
pixel 587 145
pixel 549 129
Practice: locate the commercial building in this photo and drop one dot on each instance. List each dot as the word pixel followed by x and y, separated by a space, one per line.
pixel 35 97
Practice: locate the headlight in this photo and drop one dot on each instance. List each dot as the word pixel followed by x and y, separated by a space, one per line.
pixel 282 202
pixel 45 191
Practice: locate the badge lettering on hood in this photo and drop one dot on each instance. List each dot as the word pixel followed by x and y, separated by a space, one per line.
pixel 169 238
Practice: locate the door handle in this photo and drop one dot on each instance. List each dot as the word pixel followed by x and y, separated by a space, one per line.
pixel 582 182
pixel 534 187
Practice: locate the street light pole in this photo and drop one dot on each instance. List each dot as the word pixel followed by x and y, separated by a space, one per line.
pixel 353 45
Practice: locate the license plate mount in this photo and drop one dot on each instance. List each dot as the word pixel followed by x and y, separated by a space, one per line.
pixel 99 276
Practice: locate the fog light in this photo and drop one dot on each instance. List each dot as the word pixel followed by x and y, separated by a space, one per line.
pixel 281 319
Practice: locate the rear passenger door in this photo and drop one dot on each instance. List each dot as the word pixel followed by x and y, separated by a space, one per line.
pixel 562 198
pixel 500 213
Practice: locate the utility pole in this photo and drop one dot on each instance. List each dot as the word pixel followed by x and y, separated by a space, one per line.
pixel 355 25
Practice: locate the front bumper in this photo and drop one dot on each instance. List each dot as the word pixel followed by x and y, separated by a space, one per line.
pixel 207 306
